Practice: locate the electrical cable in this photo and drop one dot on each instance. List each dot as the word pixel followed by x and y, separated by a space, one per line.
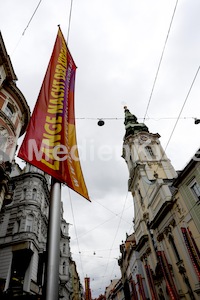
pixel 116 214
pixel 114 238
pixel 70 15
pixel 178 118
pixel 182 107
pixel 104 222
pixel 23 33
pixel 77 240
pixel 160 60
pixel 31 17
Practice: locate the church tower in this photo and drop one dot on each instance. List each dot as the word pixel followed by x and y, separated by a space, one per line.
pixel 159 263
pixel 150 175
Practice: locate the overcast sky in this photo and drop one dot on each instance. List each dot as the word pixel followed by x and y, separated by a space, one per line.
pixel 117 46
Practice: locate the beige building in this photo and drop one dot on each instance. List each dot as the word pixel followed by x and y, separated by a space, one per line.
pixel 115 290
pixel 77 288
pixel 164 262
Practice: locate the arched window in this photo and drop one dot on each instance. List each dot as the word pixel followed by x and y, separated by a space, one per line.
pixel 64 268
pixel 64 248
pixel 34 194
pixel 149 151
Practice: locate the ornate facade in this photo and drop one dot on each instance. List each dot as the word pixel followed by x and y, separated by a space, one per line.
pixel 23 240
pixel 23 233
pixel 14 117
pixel 115 290
pixel 163 257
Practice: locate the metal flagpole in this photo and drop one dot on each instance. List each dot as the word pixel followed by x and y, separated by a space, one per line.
pixel 53 242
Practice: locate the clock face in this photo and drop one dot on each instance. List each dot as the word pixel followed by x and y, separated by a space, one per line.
pixel 144 137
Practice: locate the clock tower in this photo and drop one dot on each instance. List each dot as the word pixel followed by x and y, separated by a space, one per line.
pixel 150 175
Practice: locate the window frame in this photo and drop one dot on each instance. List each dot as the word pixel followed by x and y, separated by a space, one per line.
pixel 10 111
pixel 149 151
pixel 195 191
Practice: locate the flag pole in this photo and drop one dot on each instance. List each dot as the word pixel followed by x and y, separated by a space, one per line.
pixel 53 242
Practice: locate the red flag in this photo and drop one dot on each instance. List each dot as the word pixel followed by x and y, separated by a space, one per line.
pixel 50 142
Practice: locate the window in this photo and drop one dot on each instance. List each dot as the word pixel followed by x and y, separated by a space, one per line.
pixel 24 193
pixel 149 151
pixel 195 187
pixel 3 138
pixel 64 248
pixel 16 228
pixel 29 223
pixel 9 111
pixel 171 240
pixel 64 268
pixel 34 194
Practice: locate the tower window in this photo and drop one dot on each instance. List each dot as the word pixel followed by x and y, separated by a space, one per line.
pixel 64 248
pixel 149 151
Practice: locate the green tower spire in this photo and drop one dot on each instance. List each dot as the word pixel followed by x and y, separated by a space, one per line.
pixel 131 124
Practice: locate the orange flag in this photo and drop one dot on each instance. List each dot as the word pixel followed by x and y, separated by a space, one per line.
pixel 50 142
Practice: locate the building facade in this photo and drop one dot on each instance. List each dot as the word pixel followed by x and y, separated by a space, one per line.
pixel 14 117
pixel 23 233
pixel 164 262
pixel 115 290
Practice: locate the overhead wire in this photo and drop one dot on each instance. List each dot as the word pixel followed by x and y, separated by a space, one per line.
pixel 173 130
pixel 69 23
pixel 191 86
pixel 86 118
pixel 160 61
pixel 32 17
pixel 23 33
pixel 116 214
pixel 99 225
pixel 109 255
pixel 75 229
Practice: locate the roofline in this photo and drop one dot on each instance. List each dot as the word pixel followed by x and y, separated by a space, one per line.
pixel 10 85
pixel 187 168
pixel 6 60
